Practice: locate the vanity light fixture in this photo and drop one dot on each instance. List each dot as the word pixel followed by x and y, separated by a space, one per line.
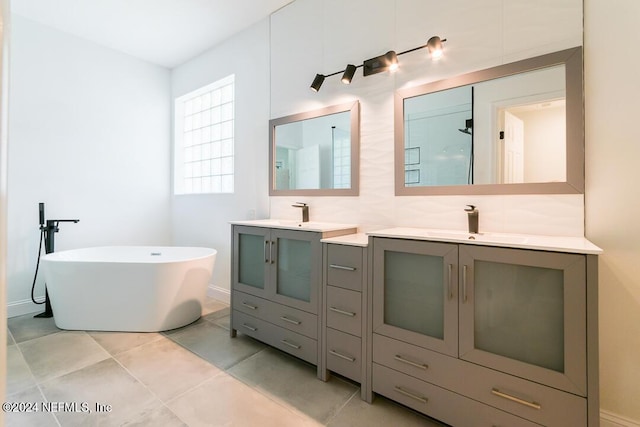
pixel 348 74
pixel 434 46
pixel 379 64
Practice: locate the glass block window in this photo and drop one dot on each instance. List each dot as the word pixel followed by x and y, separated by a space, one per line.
pixel 204 139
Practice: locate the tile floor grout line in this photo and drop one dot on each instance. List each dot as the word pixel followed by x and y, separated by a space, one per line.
pixel 335 414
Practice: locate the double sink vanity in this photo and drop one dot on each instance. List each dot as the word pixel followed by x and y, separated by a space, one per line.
pixel 473 330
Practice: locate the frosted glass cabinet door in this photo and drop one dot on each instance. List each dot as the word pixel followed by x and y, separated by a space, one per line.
pixel 251 253
pixel 523 312
pixel 415 293
pixel 295 274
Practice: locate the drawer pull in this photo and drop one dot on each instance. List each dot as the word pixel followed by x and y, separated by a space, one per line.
pixel 411 395
pixel 498 393
pixel 252 307
pixel 346 313
pixel 342 267
pixel 251 328
pixel 287 343
pixel 342 356
pixel 409 362
pixel 293 322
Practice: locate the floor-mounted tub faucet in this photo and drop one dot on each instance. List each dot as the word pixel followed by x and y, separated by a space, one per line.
pixel 305 210
pixel 472 214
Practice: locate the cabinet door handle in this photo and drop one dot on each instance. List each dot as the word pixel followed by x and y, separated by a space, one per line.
pixel 342 267
pixel 273 258
pixel 287 343
pixel 533 405
pixel 464 283
pixel 293 322
pixel 409 362
pixel 346 313
pixel 411 395
pixel 251 328
pixel 450 281
pixel 252 307
pixel 266 251
pixel 342 356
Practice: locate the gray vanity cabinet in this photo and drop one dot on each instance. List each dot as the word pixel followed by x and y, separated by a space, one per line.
pixel 345 308
pixel 415 293
pixel 485 336
pixel 279 265
pixel 276 287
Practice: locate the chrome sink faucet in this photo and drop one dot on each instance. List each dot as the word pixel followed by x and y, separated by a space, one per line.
pixel 305 210
pixel 472 214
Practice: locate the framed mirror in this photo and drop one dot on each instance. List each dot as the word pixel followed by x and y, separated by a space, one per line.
pixel 513 129
pixel 316 153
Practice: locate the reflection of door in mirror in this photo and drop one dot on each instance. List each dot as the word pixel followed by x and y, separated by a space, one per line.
pixel 513 149
pixel 533 149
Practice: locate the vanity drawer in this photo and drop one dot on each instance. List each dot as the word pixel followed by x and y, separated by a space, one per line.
pixel 524 398
pixel 344 354
pixel 298 345
pixel 439 403
pixel 293 319
pixel 545 405
pixel 290 318
pixel 252 305
pixel 413 360
pixel 249 325
pixel 344 310
pixel 344 266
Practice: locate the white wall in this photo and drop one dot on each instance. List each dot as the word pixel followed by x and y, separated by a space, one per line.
pixel 322 36
pixel 202 220
pixel 612 90
pixel 4 62
pixel 89 136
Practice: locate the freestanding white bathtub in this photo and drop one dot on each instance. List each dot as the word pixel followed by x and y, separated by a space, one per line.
pixel 127 288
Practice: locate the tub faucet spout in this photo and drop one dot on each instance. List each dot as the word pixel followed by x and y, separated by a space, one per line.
pixel 305 210
pixel 472 214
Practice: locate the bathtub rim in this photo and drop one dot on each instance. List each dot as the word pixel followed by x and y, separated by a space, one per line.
pixel 58 256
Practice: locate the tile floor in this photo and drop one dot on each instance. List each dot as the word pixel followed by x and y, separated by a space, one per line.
pixel 194 376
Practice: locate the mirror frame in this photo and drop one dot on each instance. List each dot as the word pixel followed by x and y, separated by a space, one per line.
pixel 354 109
pixel 572 60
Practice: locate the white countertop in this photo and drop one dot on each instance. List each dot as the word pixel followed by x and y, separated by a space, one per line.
pixel 522 241
pixel 358 239
pixel 321 227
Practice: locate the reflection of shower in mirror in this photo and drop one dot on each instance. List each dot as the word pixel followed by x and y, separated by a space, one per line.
pixel 468 126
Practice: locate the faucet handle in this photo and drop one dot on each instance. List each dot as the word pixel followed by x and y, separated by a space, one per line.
pixel 471 208
pixel 299 205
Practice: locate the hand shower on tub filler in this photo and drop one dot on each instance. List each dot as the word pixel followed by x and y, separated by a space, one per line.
pixel 48 229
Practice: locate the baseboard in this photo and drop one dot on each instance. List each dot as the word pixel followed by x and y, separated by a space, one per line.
pixel 25 306
pixel 609 419
pixel 219 293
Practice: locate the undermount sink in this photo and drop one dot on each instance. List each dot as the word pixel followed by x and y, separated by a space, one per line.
pixel 297 225
pixel 479 237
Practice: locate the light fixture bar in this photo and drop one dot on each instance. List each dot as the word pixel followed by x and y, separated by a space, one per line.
pixel 379 64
